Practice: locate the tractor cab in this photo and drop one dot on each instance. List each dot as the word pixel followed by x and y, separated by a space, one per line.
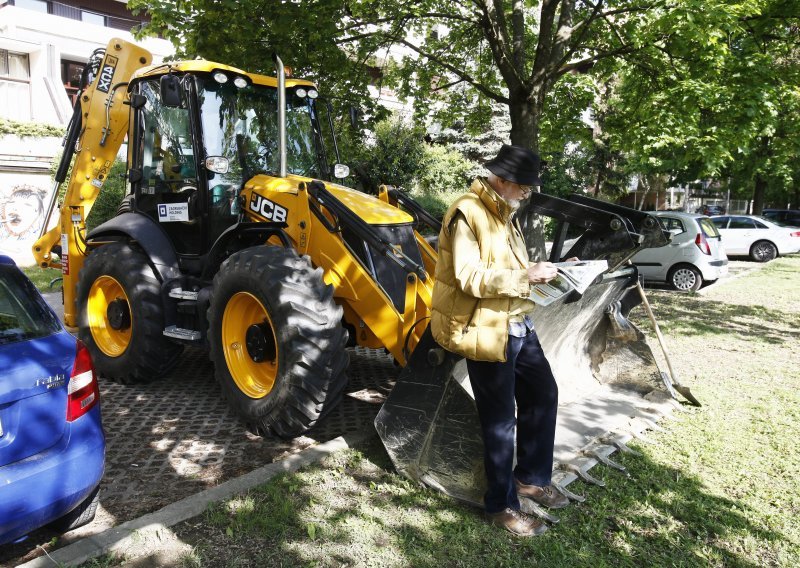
pixel 199 133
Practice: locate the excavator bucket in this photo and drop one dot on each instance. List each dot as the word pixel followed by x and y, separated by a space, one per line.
pixel 610 387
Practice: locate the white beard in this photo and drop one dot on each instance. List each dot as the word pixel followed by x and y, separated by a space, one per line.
pixel 514 204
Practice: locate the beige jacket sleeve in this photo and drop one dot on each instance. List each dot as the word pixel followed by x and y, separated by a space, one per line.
pixel 477 279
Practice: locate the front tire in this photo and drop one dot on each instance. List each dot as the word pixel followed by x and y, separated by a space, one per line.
pixel 763 251
pixel 685 278
pixel 276 340
pixel 121 319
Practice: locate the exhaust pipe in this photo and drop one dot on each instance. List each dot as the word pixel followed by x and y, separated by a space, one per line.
pixel 281 113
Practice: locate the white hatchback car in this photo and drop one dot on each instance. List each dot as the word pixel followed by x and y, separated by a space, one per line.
pixel 693 257
pixel 756 237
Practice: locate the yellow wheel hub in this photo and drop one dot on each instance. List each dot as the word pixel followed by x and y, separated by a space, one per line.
pixel 109 316
pixel 249 344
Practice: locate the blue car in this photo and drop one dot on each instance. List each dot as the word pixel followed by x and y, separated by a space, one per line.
pixel 52 445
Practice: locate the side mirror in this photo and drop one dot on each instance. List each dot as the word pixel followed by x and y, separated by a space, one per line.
pixel 169 87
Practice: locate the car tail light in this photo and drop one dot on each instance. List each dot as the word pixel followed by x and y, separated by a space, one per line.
pixel 702 243
pixel 794 234
pixel 83 392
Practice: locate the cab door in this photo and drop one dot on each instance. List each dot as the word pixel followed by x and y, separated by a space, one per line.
pixel 165 155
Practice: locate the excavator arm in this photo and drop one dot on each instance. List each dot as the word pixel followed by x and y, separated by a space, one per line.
pixel 94 136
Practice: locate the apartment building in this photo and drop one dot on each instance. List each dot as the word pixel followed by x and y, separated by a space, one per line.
pixel 43 46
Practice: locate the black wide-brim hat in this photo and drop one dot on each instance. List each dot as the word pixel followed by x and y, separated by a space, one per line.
pixel 516 164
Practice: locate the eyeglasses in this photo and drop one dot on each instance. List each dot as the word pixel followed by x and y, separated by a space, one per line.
pixel 525 188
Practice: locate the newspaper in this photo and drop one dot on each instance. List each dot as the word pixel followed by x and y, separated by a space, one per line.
pixel 572 275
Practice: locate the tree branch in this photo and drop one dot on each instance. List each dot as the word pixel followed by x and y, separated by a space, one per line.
pixel 466 77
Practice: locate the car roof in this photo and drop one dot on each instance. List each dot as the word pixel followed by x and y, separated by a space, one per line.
pixel 678 214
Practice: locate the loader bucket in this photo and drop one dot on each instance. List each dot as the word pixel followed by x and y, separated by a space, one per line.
pixel 609 384
pixel 606 375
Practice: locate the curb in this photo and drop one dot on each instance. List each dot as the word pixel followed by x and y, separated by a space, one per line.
pixel 150 534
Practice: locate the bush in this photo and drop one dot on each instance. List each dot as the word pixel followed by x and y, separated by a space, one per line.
pixel 109 198
pixel 395 158
pixel 29 128
pixel 445 175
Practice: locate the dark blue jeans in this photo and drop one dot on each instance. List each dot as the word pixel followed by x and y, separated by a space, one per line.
pixel 525 377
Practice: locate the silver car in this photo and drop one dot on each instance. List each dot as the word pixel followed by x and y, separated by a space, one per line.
pixel 694 256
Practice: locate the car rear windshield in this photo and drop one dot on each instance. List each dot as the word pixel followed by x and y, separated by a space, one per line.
pixel 709 228
pixel 23 313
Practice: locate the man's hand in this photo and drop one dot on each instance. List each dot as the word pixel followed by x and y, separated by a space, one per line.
pixel 541 272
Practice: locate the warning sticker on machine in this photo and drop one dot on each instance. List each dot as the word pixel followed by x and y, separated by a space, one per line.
pixel 168 212
pixel 64 255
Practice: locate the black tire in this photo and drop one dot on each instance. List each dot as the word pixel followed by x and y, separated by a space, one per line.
pixel 685 278
pixel 81 515
pixel 126 205
pixel 291 371
pixel 137 352
pixel 763 251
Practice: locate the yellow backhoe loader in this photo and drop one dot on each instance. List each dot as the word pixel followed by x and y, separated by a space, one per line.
pixel 235 237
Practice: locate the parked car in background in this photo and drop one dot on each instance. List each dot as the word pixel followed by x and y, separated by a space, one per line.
pixel 790 217
pixel 693 257
pixel 757 237
pixel 709 210
pixel 52 446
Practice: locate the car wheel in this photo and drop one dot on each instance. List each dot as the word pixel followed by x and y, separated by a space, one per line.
pixel 763 251
pixel 81 515
pixel 685 278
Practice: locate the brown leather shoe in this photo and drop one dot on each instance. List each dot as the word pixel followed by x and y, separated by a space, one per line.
pixel 517 522
pixel 546 496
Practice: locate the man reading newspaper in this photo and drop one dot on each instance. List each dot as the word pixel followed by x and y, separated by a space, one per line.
pixel 572 275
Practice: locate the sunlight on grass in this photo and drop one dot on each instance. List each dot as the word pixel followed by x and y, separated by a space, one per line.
pixel 718 488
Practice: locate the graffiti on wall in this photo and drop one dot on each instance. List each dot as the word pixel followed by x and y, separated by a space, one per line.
pixel 23 205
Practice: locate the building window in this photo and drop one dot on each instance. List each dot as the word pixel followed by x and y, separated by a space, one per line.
pixel 71 77
pixel 15 88
pixel 93 18
pixel 37 5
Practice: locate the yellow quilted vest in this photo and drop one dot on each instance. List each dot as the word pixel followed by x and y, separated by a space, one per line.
pixel 476 328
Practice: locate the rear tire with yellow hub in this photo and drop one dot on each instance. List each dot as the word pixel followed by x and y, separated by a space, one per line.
pixel 276 340
pixel 121 318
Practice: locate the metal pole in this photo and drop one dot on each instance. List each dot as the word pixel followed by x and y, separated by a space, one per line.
pixel 281 114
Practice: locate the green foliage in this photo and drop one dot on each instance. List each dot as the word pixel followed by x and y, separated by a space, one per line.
pixel 109 198
pixel 444 169
pixel 33 129
pixel 395 158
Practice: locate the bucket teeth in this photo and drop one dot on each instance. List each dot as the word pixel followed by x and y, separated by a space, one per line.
pixel 529 507
pixel 652 425
pixel 584 475
pixel 569 494
pixel 620 444
pixel 601 453
pixel 561 479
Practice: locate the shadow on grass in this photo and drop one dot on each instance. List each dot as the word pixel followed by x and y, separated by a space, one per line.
pixel 654 516
pixel 683 314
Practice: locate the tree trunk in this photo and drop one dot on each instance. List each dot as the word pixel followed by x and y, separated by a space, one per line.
pixel 759 190
pixel 760 185
pixel 525 132
pixel 524 123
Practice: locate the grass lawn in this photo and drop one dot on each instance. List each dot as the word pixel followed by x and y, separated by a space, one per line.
pixel 718 488
pixel 42 277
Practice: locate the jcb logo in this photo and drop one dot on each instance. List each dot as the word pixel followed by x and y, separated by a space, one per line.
pixel 267 208
pixel 107 73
